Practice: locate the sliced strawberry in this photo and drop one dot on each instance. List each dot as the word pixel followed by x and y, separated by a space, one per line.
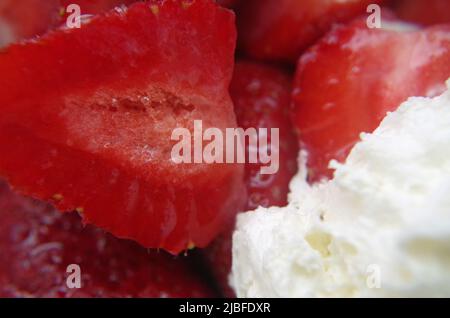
pixel 88 115
pixel 37 244
pixel 282 29
pixel 261 96
pixel 425 12
pixel 347 82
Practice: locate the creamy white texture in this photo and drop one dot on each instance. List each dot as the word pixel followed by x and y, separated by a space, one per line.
pixel 381 227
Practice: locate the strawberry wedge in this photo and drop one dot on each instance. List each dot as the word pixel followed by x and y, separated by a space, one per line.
pixel 87 117
pixel 347 83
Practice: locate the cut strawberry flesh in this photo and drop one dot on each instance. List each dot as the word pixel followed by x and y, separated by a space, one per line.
pixel 87 118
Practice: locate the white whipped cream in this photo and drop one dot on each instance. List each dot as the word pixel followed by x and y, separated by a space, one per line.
pixel 381 227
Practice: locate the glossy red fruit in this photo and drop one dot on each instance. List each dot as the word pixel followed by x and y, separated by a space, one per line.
pixel 88 115
pixel 347 83
pixel 283 29
pixel 37 244
pixel 425 12
pixel 261 96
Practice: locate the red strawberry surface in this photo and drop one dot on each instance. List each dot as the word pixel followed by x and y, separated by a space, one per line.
pixel 425 12
pixel 282 29
pixel 37 244
pixel 261 96
pixel 88 115
pixel 347 83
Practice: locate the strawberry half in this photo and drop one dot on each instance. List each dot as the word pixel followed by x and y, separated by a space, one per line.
pixel 282 29
pixel 88 115
pixel 37 244
pixel 261 96
pixel 347 83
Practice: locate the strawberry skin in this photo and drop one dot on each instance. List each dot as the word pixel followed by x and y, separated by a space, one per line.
pixel 347 83
pixel 261 96
pixel 282 29
pixel 88 114
pixel 37 244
